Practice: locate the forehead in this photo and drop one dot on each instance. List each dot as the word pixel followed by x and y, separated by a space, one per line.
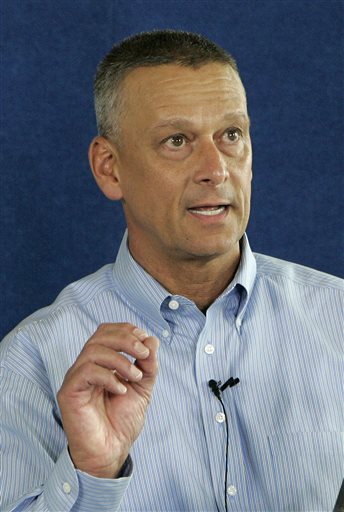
pixel 162 90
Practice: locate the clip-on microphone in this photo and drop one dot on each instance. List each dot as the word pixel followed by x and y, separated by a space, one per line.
pixel 217 388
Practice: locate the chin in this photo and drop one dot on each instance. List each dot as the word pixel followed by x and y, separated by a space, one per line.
pixel 211 249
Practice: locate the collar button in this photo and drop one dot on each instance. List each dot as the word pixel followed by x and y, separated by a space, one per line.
pixel 173 304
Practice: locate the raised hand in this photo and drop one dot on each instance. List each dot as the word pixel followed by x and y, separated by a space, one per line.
pixel 104 397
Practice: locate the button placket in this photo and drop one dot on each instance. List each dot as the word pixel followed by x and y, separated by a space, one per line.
pixel 223 344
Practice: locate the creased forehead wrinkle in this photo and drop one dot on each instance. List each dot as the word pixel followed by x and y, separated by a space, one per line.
pixel 172 91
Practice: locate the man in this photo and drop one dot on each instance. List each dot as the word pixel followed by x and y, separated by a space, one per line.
pixel 77 378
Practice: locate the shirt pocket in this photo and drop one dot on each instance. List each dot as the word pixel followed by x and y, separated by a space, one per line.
pixel 307 468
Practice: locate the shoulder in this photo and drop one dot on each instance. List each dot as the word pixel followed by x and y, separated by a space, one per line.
pixel 75 299
pixel 78 294
pixel 293 274
pixel 49 340
pixel 298 304
pixel 301 297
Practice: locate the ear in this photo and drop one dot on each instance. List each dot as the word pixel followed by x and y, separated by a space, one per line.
pixel 103 160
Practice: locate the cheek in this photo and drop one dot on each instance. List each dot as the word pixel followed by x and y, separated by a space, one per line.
pixel 241 181
pixel 241 164
pixel 241 175
pixel 149 188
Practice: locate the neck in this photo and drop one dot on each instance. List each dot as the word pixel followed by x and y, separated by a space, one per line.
pixel 199 279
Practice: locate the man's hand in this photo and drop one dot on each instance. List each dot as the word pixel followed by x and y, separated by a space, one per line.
pixel 104 397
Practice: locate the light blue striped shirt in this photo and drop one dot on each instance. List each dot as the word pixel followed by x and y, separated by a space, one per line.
pixel 278 327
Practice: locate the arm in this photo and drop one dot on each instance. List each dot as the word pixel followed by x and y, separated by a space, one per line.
pixel 36 459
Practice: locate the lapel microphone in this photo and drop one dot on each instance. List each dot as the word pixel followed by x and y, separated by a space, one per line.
pixel 217 387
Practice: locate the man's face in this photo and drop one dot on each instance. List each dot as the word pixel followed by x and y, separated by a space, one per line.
pixel 184 162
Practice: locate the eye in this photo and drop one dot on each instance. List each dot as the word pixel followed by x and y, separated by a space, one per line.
pixel 175 141
pixel 233 134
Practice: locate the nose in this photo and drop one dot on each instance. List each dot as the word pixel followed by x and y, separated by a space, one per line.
pixel 211 165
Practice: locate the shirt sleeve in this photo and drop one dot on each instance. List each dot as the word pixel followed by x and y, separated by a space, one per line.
pixel 37 471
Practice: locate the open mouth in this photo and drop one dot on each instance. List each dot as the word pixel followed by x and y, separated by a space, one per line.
pixel 209 211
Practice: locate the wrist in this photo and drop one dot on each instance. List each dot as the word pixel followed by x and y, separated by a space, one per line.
pixel 116 469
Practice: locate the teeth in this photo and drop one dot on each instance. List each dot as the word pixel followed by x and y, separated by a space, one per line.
pixel 215 211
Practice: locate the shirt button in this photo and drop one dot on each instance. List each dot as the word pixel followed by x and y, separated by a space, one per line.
pixel 209 349
pixel 220 417
pixel 165 333
pixel 66 488
pixel 231 490
pixel 239 322
pixel 173 304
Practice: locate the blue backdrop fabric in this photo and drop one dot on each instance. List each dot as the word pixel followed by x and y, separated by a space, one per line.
pixel 55 224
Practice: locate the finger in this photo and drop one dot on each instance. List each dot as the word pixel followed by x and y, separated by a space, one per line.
pixel 110 359
pixel 87 377
pixel 149 366
pixel 121 338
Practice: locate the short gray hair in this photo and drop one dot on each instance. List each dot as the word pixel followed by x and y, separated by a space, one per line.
pixel 147 49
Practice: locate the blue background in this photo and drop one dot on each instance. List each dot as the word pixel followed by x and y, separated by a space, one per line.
pixel 55 224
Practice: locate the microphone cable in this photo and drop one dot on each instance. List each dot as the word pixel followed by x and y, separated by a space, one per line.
pixel 217 389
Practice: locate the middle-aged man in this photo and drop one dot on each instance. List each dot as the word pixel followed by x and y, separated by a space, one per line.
pixel 77 377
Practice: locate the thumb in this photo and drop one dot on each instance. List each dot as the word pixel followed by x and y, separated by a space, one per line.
pixel 149 365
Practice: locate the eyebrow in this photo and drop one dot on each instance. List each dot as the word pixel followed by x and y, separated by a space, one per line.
pixel 181 122
pixel 234 115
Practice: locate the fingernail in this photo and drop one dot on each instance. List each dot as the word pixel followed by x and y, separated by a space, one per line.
pixel 121 389
pixel 141 349
pixel 136 373
pixel 140 334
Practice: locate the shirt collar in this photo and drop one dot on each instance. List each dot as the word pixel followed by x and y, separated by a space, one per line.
pixel 140 289
pixel 244 278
